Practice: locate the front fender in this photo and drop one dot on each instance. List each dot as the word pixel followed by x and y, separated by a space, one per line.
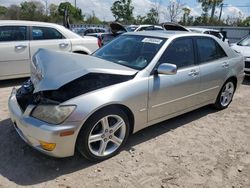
pixel 133 94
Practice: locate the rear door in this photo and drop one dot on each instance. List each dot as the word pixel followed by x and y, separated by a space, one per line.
pixel 214 67
pixel 14 48
pixel 48 38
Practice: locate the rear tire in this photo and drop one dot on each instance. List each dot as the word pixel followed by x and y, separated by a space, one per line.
pixel 225 96
pixel 103 134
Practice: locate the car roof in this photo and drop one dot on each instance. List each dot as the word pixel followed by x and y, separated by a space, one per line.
pixel 165 34
pixel 28 23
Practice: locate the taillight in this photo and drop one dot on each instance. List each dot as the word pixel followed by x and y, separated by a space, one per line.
pixel 99 41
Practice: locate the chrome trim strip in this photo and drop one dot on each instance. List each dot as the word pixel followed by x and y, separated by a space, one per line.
pixel 164 103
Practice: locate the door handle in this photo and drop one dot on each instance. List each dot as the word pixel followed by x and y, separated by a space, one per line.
pixel 20 47
pixel 225 65
pixel 193 72
pixel 63 45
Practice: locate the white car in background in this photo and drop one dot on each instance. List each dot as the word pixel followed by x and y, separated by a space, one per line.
pixel 243 47
pixel 213 32
pixel 135 28
pixel 19 40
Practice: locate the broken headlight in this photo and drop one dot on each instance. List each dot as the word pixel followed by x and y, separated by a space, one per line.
pixel 53 114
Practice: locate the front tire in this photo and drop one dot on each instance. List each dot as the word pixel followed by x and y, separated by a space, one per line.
pixel 225 96
pixel 103 134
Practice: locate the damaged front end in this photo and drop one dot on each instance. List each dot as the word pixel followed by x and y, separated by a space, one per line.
pixel 77 87
pixel 57 77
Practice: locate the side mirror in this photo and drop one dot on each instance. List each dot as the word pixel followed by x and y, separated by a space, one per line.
pixel 167 69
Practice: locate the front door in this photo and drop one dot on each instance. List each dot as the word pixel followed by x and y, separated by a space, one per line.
pixel 169 94
pixel 14 48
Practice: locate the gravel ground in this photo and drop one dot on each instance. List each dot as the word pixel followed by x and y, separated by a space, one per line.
pixel 203 148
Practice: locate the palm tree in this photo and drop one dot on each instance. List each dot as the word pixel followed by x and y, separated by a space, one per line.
pixel 210 4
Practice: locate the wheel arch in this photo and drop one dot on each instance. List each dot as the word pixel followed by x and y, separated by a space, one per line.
pixel 234 79
pixel 81 50
pixel 126 109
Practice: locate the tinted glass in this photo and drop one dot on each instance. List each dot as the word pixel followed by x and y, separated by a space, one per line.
pixel 245 41
pixel 209 50
pixel 13 33
pixel 132 51
pixel 45 33
pixel 180 53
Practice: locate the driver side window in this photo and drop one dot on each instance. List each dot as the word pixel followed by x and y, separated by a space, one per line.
pixel 180 52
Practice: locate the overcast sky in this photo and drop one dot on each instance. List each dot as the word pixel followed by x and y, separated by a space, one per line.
pixel 102 7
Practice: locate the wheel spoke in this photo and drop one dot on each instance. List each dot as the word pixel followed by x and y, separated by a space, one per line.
pixel 95 138
pixel 117 126
pixel 223 94
pixel 105 123
pixel 116 140
pixel 231 90
pixel 102 148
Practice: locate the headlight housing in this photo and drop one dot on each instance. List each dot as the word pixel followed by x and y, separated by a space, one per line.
pixel 53 114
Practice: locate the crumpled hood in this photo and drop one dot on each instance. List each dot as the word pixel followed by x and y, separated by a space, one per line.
pixel 50 70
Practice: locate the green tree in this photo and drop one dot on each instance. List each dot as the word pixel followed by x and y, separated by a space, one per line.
pixel 210 4
pixel 13 12
pixel 3 10
pixel 186 13
pixel 140 19
pixel 246 22
pixel 75 14
pixel 92 19
pixel 152 17
pixel 54 14
pixel 123 11
pixel 32 10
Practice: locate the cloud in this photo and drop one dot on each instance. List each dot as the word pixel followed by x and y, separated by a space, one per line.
pixel 141 7
pixel 231 11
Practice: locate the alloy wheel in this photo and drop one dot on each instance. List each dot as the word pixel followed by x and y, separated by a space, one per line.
pixel 107 135
pixel 227 94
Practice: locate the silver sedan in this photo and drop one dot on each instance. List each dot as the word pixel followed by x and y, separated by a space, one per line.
pixel 93 103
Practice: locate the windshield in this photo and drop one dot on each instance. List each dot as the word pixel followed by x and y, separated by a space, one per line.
pixel 245 41
pixel 131 50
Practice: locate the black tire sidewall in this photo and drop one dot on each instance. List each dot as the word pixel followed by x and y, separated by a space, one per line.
pixel 82 139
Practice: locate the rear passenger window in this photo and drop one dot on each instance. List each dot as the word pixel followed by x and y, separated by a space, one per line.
pixel 13 33
pixel 45 33
pixel 180 53
pixel 209 50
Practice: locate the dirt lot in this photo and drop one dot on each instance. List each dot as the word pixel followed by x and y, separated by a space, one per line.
pixel 204 148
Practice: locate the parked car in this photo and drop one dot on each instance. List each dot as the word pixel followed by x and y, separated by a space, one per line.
pixel 136 28
pixel 216 33
pixel 93 103
pixel 19 40
pixel 116 29
pixel 82 31
pixel 243 47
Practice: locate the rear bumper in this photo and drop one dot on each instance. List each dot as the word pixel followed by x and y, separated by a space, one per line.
pixel 32 131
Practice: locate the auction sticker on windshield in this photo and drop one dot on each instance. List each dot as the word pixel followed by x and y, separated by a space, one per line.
pixel 152 40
